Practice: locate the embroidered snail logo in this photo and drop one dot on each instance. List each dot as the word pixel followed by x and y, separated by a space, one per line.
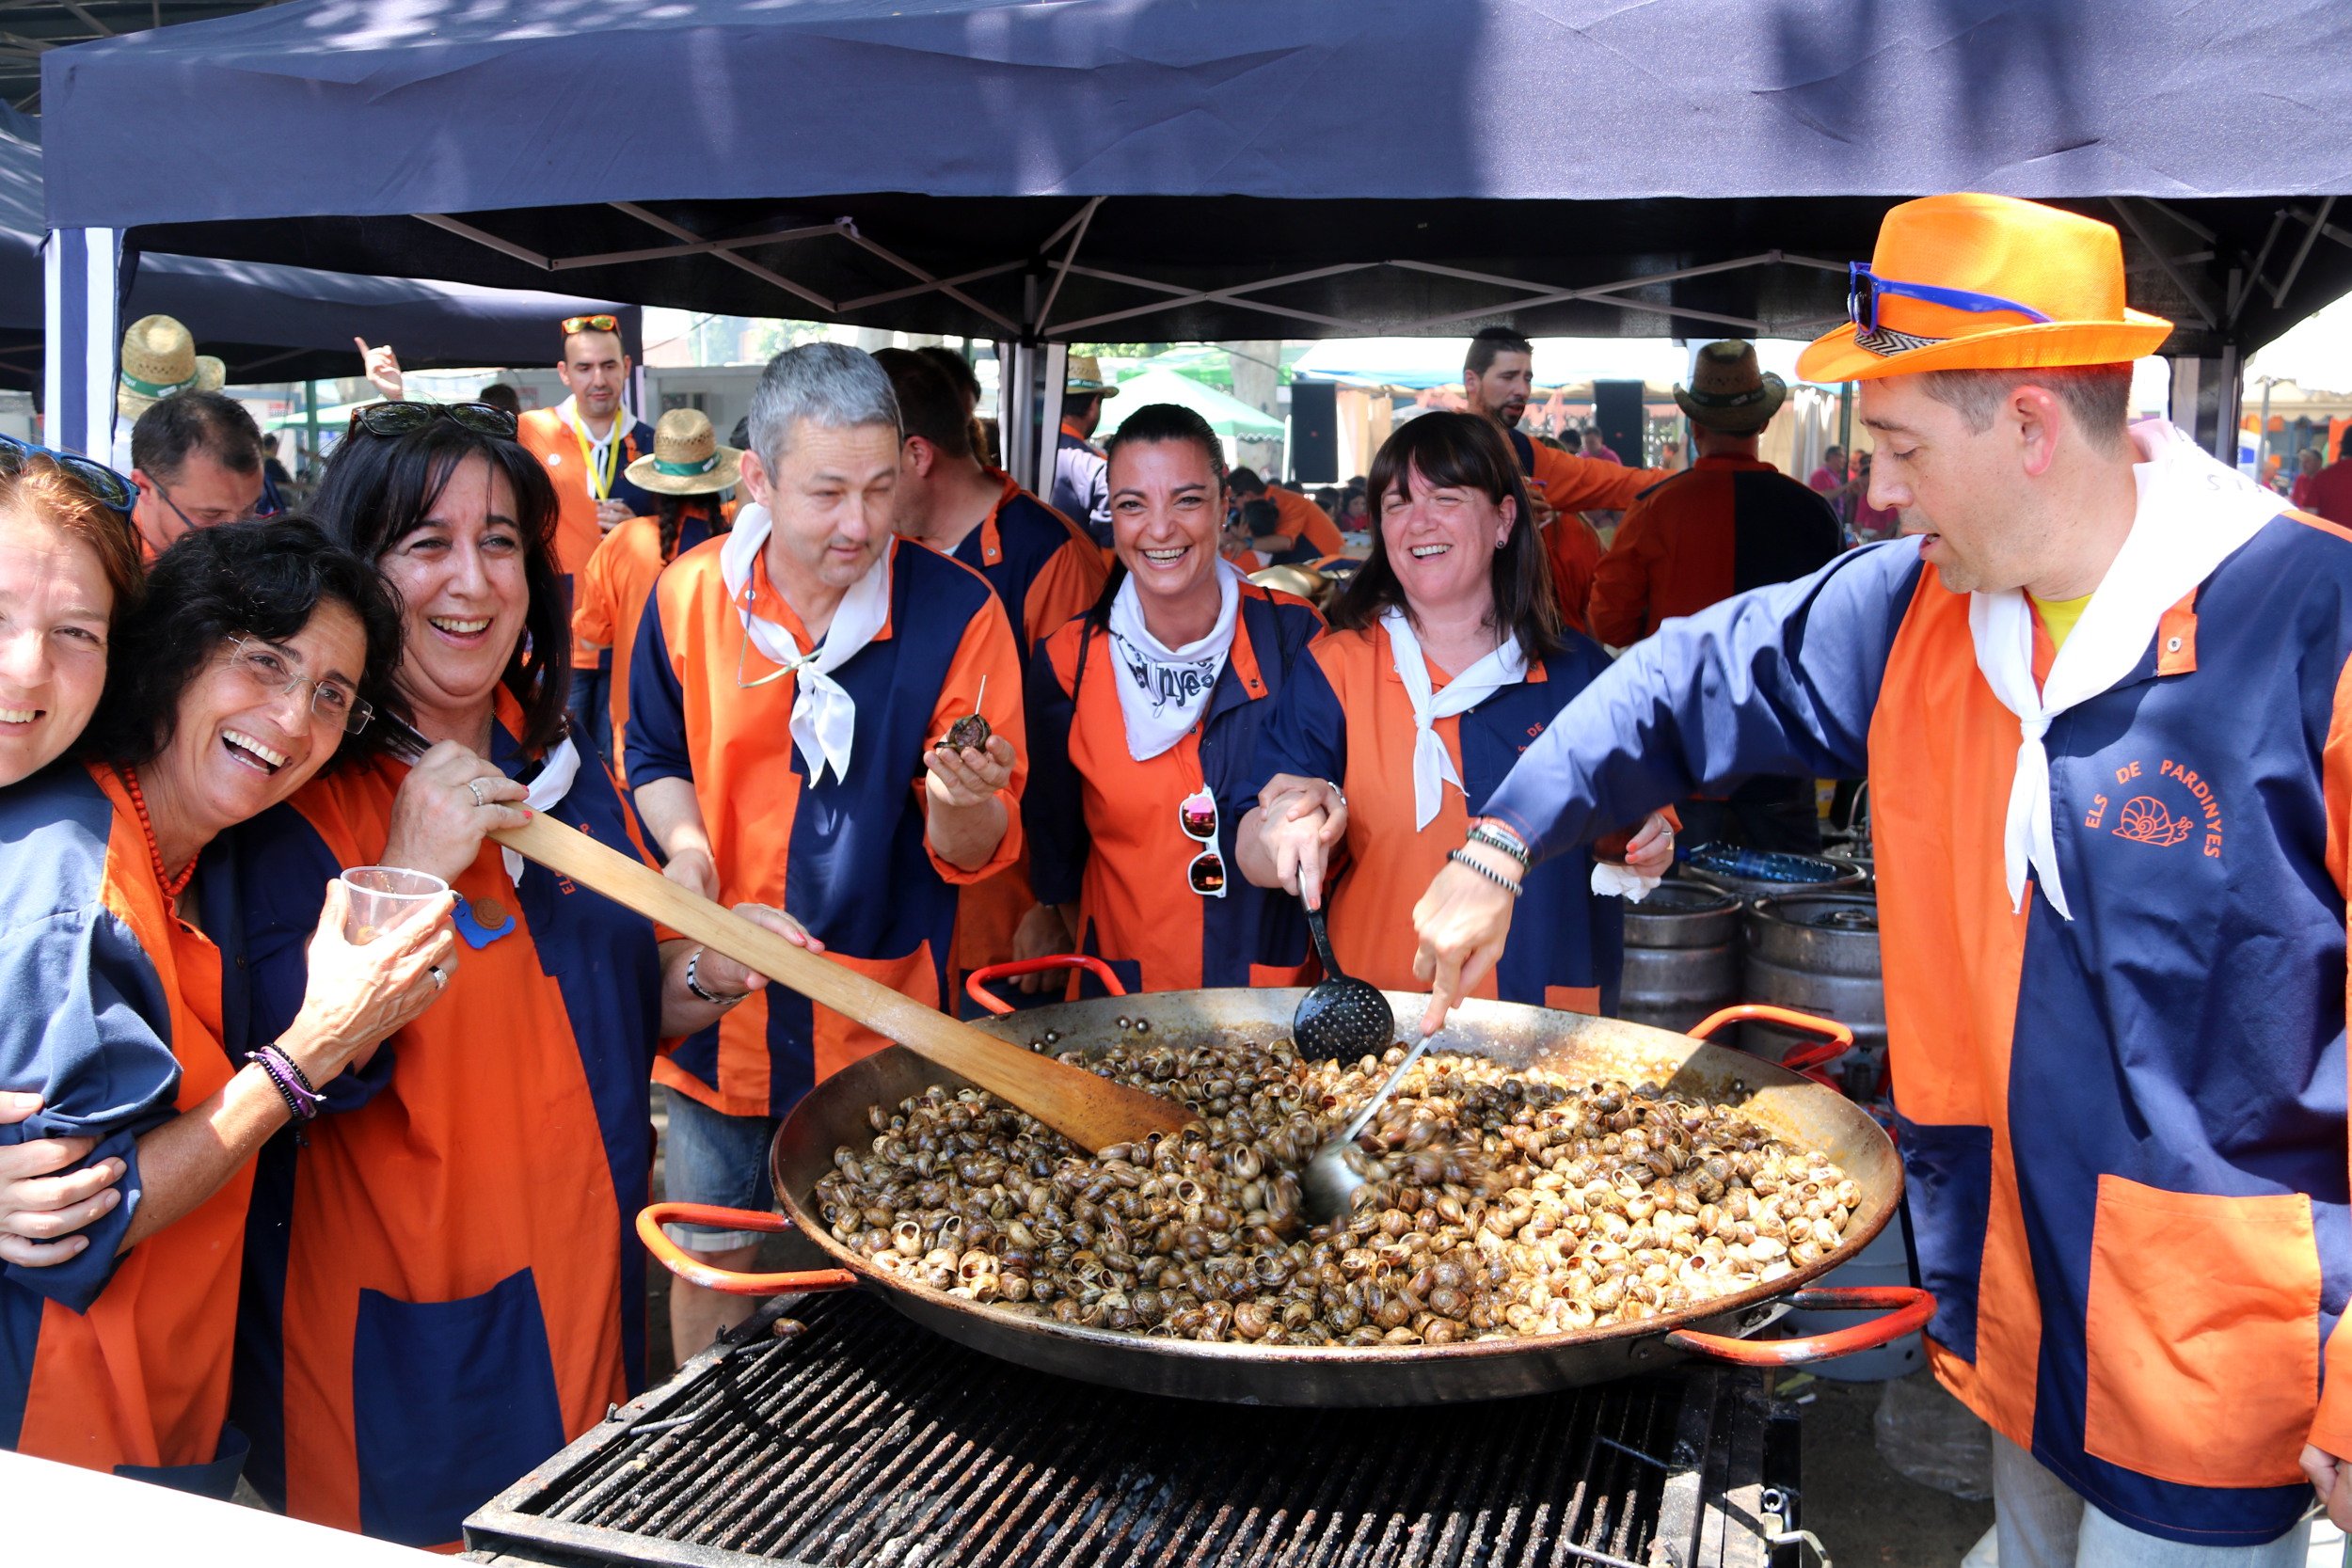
pixel 2144 820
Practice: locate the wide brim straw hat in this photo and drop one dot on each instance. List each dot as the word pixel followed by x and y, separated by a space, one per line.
pixel 159 358
pixel 1727 393
pixel 2064 265
pixel 687 458
pixel 1084 377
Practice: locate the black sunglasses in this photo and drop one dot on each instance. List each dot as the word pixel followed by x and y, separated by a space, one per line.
pixel 106 486
pixel 393 419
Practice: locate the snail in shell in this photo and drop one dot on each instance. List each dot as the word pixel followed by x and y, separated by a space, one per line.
pixel 971 730
pixel 1504 1202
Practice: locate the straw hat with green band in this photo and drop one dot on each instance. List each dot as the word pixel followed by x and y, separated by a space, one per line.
pixel 687 458
pixel 1084 378
pixel 159 358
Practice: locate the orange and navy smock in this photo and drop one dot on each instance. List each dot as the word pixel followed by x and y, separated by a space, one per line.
pixel 1720 527
pixel 1570 485
pixel 560 446
pixel 1102 827
pixel 611 594
pixel 1301 518
pixel 441 1284
pixel 1344 718
pixel 1044 570
pixel 2124 1133
pixel 116 1361
pixel 848 858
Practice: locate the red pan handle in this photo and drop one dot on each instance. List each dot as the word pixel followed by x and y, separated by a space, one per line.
pixel 692 1269
pixel 1910 1307
pixel 1806 1059
pixel 979 977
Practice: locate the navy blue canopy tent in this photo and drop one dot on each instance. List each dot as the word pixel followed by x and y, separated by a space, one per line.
pixel 1042 172
pixel 272 323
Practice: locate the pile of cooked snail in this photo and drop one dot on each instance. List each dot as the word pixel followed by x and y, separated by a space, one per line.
pixel 1505 1202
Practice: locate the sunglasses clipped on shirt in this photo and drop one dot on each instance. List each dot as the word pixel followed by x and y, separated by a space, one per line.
pixel 1196 813
pixel 1864 289
pixel 394 420
pixel 106 487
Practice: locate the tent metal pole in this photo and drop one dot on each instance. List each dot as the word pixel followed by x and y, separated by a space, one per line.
pixel 849 233
pixel 1061 269
pixel 2302 253
pixel 704 247
pixel 2163 260
pixel 742 264
pixel 912 291
pixel 81 332
pixel 481 237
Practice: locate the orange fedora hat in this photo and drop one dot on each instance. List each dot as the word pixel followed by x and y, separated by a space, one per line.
pixel 1973 282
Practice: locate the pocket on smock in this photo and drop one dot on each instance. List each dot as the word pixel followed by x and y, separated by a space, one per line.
pixel 452 1402
pixel 2203 1335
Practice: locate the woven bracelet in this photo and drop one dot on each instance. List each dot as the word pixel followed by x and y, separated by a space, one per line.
pixel 1505 883
pixel 302 1101
pixel 1496 838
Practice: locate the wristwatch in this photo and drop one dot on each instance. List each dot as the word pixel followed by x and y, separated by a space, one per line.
pixel 1494 836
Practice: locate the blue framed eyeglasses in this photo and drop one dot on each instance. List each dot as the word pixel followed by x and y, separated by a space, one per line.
pixel 108 487
pixel 1864 289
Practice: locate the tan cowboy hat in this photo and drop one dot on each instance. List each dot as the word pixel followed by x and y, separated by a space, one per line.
pixel 1084 377
pixel 159 358
pixel 1727 394
pixel 1984 283
pixel 687 458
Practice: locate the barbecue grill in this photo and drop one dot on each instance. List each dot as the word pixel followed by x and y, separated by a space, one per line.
pixel 855 1438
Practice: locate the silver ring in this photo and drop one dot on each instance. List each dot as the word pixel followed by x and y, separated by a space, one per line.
pixel 440 981
pixel 475 785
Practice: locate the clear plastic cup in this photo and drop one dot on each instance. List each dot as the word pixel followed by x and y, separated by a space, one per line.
pixel 385 897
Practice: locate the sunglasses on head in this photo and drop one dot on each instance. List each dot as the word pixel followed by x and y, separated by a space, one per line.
pixel 1196 813
pixel 106 487
pixel 597 323
pixel 391 419
pixel 1865 287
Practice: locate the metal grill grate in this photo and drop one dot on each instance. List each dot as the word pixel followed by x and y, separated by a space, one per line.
pixel 867 1441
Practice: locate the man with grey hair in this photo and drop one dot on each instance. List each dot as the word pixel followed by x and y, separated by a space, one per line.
pixel 800 735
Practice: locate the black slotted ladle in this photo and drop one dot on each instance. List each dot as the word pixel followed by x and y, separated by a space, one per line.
pixel 1339 1018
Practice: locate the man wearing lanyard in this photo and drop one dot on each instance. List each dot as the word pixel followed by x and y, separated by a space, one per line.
pixel 2105 700
pixel 1498 376
pixel 587 443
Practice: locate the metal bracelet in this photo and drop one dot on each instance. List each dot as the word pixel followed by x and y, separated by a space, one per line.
pixel 1505 883
pixel 1495 837
pixel 693 964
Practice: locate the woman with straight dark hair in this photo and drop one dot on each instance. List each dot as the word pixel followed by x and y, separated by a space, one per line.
pixel 1445 657
pixel 1144 713
pixel 442 1287
pixel 254 664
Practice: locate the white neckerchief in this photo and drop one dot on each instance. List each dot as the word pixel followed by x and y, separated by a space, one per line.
pixel 547 792
pixel 824 715
pixel 1162 689
pixel 567 414
pixel 1433 764
pixel 2194 514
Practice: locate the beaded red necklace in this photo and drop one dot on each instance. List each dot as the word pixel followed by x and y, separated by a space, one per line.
pixel 173 886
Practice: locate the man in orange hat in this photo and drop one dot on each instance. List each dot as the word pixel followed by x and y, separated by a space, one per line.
pixel 2104 699
pixel 1498 377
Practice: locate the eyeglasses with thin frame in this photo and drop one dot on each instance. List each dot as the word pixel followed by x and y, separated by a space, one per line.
pixel 1196 815
pixel 392 421
pixel 597 323
pixel 1864 289
pixel 165 491
pixel 106 487
pixel 269 670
